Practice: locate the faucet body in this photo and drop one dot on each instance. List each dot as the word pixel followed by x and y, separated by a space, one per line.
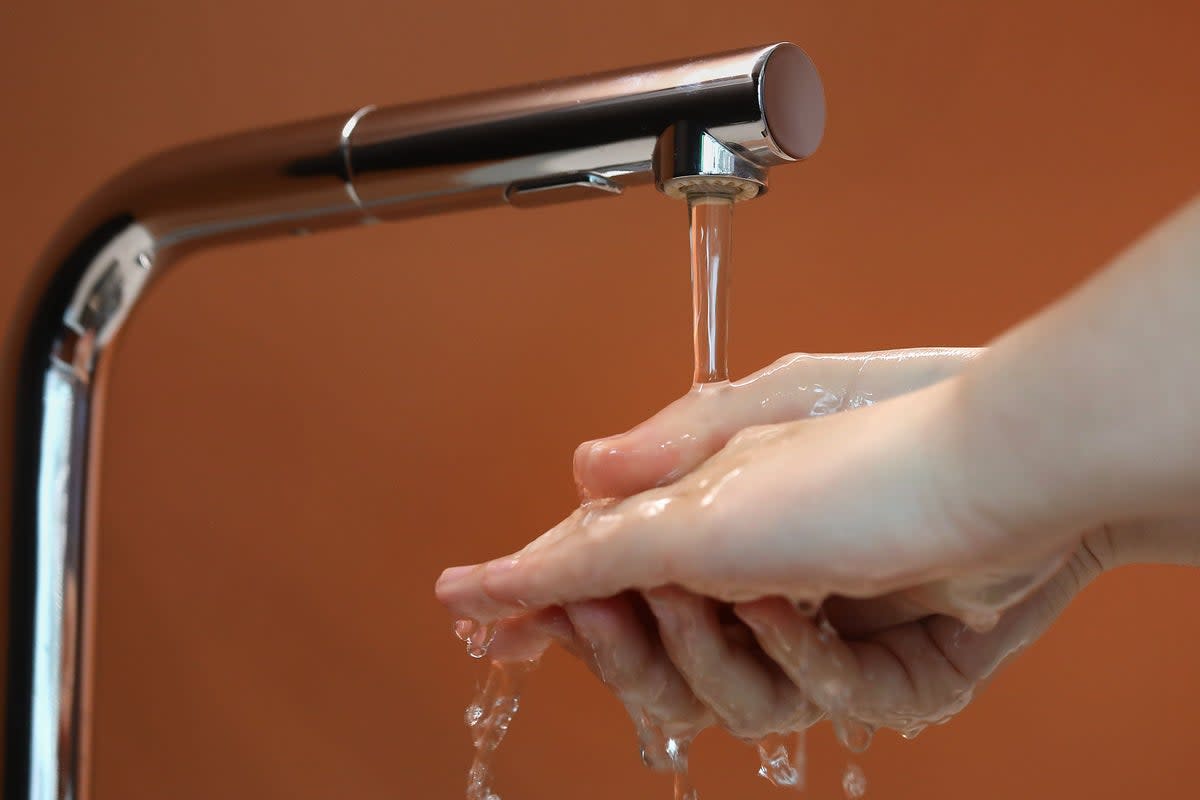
pixel 732 115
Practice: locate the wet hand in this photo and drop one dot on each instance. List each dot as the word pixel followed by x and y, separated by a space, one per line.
pixel 936 532
pixel 753 498
pixel 717 642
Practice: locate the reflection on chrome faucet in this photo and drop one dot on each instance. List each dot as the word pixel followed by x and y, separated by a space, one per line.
pixel 724 117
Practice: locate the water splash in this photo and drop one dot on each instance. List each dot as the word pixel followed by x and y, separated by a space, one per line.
pixel 781 759
pixel 488 718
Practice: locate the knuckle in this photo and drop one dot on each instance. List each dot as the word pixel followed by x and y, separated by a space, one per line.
pixel 751 435
pixel 793 360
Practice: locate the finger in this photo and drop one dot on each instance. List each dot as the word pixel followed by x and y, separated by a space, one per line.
pixel 461 590
pixel 979 599
pixel 813 659
pixel 854 618
pixel 624 651
pixel 527 637
pixel 695 533
pixel 599 551
pixel 464 589
pixel 979 654
pixel 779 511
pixel 899 678
pixel 911 675
pixel 685 433
pixel 458 588
pixel 724 669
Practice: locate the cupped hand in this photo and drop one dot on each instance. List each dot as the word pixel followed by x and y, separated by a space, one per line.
pixel 744 563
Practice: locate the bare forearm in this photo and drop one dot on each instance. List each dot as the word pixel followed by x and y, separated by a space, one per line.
pixel 1087 413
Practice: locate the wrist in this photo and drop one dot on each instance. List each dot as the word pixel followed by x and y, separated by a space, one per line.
pixel 1007 467
pixel 1170 540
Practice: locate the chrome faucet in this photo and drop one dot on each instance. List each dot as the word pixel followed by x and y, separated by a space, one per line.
pixel 709 124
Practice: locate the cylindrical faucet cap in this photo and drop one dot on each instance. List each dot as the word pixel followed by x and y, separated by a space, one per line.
pixel 792 101
pixel 689 159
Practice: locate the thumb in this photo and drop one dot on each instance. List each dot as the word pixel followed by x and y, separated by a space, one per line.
pixel 979 654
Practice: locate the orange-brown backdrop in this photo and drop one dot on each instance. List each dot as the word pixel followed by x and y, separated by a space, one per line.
pixel 302 433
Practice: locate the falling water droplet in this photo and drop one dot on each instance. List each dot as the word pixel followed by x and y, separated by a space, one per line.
pixel 477 636
pixel 854 782
pixel 853 735
pixel 781 759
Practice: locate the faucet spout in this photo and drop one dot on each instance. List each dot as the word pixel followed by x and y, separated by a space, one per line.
pixel 728 117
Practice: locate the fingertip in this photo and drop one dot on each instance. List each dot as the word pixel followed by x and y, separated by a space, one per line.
pixel 454 583
pixel 664 596
pixel 752 608
pixel 679 611
pixel 624 465
pixel 749 613
pixel 465 592
pixel 585 454
pixel 764 614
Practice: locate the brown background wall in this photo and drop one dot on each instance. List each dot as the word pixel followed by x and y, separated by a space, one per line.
pixel 302 433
